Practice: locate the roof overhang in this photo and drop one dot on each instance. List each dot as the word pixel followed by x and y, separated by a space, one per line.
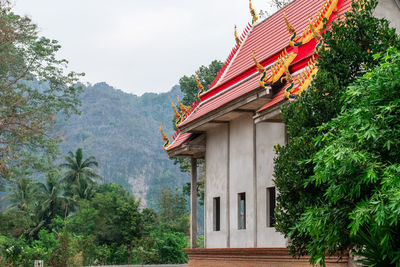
pixel 272 114
pixel 248 103
pixel 194 148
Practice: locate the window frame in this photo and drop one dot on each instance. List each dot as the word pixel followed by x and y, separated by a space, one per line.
pixel 217 214
pixel 270 206
pixel 242 211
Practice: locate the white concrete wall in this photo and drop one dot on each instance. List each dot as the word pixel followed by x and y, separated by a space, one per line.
pixel 216 185
pixel 390 10
pixel 240 157
pixel 267 136
pixel 230 166
pixel 241 179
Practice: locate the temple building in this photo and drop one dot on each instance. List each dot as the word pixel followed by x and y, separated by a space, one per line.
pixel 236 123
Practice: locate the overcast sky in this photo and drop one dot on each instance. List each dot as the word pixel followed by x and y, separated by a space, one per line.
pixel 140 46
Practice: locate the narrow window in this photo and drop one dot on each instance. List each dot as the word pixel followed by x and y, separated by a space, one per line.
pixel 242 211
pixel 217 214
pixel 271 206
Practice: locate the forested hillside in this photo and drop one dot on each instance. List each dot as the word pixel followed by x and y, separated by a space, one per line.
pixel 122 131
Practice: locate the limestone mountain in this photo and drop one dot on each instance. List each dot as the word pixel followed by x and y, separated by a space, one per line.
pixel 122 131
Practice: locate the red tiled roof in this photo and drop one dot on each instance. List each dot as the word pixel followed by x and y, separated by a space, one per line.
pixel 179 140
pixel 271 36
pixel 226 97
pixel 274 28
pixel 268 39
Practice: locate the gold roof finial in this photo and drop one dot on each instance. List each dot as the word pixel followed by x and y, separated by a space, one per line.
pixel 253 13
pixel 317 36
pixel 165 138
pixel 199 85
pixel 237 39
pixel 288 77
pixel 259 66
pixel 177 115
pixel 290 28
pixel 183 108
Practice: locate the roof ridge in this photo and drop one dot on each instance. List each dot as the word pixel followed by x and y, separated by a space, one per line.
pixel 273 14
pixel 225 67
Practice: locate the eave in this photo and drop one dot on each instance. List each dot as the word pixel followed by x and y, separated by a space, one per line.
pixel 195 147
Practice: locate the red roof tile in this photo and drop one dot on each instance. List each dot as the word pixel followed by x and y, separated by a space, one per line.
pixel 179 140
pixel 225 97
pixel 271 36
pixel 274 28
pixel 268 39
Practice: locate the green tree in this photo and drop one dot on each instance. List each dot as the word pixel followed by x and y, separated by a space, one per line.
pixel 83 190
pixel 63 255
pixel 79 175
pixel 169 246
pixel 206 75
pixel 34 87
pixel 359 165
pixel 15 223
pixel 52 201
pixel 173 211
pixel 21 195
pixel 113 217
pixel 351 42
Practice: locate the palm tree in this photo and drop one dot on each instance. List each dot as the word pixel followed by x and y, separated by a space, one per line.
pixel 52 200
pixel 24 203
pixel 22 195
pixel 79 172
pixel 83 190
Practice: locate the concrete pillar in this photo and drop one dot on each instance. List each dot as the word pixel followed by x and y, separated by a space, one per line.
pixel 193 205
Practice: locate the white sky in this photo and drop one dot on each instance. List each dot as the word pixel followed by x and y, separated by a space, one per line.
pixel 140 46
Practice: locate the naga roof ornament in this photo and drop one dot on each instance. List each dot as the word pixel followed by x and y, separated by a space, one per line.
pixel 282 64
pixel 165 138
pixel 294 40
pixel 261 70
pixel 289 80
pixel 315 25
pixel 237 38
pixel 316 35
pixel 183 108
pixel 304 80
pixel 178 116
pixel 307 75
pixel 288 76
pixel 253 13
pixel 199 86
pixel 279 68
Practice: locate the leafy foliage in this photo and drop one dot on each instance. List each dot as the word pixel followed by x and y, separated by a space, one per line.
pixel 109 228
pixel 79 177
pixel 352 43
pixel 173 211
pixel 106 223
pixel 27 114
pixel 52 200
pixel 206 75
pixel 360 167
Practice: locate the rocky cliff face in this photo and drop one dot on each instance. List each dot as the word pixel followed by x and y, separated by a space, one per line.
pixel 122 131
